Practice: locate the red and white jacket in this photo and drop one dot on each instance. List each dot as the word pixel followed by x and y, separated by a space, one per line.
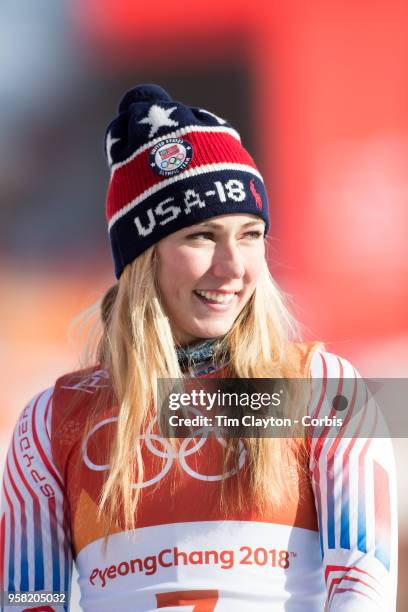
pixel 333 542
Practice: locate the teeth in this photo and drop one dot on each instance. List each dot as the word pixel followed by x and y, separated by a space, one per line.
pixel 221 298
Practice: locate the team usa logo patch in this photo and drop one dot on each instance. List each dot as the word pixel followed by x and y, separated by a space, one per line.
pixel 171 156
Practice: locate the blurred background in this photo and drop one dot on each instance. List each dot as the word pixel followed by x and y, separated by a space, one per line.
pixel 319 92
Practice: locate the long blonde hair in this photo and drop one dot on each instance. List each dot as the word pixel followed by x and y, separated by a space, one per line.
pixel 137 348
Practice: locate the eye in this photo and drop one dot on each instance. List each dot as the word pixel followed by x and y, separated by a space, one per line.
pixel 198 235
pixel 254 234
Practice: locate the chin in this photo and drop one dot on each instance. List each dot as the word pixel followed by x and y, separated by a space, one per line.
pixel 212 331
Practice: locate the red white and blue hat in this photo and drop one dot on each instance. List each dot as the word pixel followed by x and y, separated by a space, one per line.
pixel 173 166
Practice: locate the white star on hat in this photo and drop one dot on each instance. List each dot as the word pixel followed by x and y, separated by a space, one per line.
pixel 216 117
pixel 109 144
pixel 158 117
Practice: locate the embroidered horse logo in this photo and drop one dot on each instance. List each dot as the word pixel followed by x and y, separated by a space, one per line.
pixel 258 199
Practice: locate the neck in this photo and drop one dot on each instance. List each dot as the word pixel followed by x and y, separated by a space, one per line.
pixel 198 357
pixel 199 349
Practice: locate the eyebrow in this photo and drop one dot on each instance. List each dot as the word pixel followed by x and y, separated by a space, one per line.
pixel 215 225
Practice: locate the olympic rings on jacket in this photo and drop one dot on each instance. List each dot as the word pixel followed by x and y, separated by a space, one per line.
pixel 185 450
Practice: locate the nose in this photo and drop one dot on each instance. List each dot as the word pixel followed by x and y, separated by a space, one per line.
pixel 228 262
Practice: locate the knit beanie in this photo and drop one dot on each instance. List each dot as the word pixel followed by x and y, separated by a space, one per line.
pixel 172 166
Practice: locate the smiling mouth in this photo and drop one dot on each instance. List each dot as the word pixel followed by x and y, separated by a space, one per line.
pixel 215 298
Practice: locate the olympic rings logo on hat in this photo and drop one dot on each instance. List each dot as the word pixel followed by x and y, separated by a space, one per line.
pixel 171 156
pixel 185 450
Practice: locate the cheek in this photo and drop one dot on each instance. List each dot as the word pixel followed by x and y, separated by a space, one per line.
pixel 179 272
pixel 254 265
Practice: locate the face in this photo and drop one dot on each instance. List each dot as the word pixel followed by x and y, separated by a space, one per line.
pixel 207 272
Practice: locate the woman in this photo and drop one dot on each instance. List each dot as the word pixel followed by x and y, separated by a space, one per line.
pixel 210 523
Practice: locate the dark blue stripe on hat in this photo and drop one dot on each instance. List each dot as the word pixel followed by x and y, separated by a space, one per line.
pixel 182 204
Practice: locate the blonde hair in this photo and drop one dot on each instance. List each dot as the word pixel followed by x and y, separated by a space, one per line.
pixel 137 348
